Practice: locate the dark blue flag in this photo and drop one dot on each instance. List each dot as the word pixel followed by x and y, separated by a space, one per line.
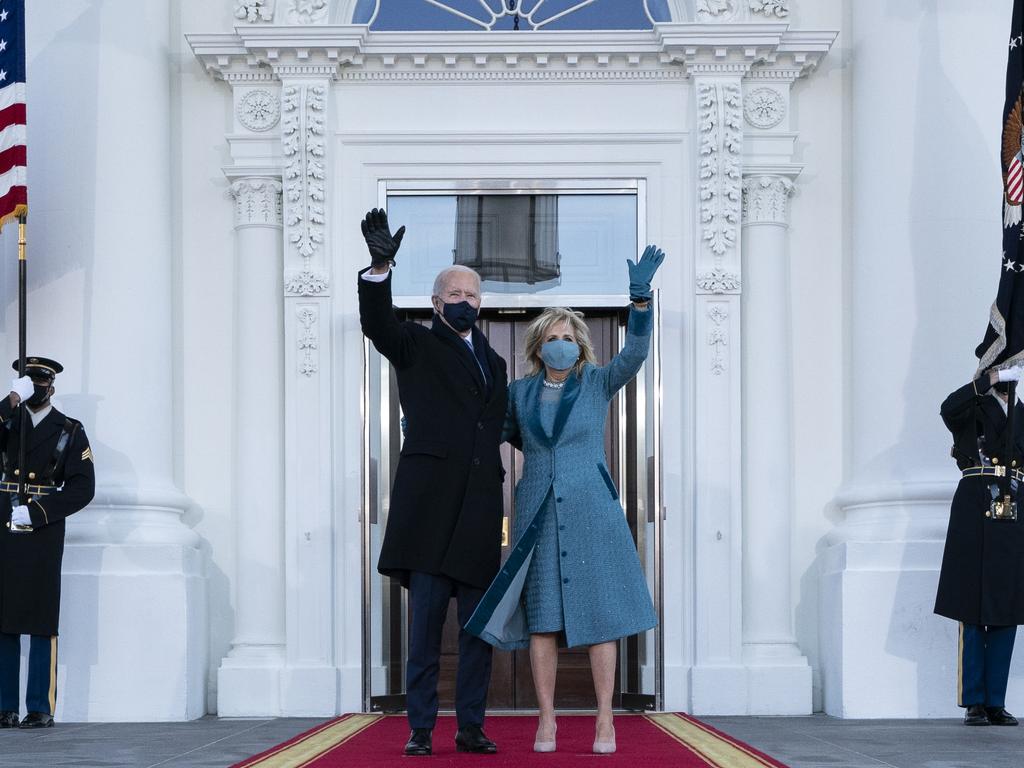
pixel 1003 345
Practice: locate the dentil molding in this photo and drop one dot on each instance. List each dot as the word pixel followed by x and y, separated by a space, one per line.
pixel 257 202
pixel 766 200
pixel 352 52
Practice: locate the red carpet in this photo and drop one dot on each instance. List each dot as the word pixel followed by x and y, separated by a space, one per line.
pixel 375 741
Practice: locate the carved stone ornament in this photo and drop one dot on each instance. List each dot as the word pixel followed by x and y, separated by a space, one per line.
pixel 302 143
pixel 305 283
pixel 253 11
pixel 259 110
pixel 307 11
pixel 718 338
pixel 721 164
pixel 715 10
pixel 309 340
pixel 764 108
pixel 718 281
pixel 766 200
pixel 257 202
pixel 779 8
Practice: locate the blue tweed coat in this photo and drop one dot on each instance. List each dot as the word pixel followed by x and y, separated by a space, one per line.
pixel 604 594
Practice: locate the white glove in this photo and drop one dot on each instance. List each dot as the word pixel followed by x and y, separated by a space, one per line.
pixel 20 516
pixel 22 387
pixel 1016 373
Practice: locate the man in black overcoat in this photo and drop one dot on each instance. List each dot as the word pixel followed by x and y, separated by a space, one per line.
pixel 443 535
pixel 59 481
pixel 981 582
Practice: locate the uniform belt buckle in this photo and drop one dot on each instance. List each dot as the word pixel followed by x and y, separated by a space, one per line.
pixel 1004 510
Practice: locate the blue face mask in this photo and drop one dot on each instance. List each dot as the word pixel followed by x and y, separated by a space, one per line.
pixel 460 315
pixel 560 354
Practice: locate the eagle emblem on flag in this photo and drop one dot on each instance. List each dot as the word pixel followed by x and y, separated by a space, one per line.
pixel 1013 163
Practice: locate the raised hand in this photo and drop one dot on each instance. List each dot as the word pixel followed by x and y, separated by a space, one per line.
pixel 382 244
pixel 642 272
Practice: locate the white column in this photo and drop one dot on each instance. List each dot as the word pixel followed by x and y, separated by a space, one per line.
pixel 922 274
pixel 249 677
pixel 133 637
pixel 779 676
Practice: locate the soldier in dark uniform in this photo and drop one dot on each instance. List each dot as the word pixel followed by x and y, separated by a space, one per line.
pixel 59 481
pixel 981 583
pixel 443 536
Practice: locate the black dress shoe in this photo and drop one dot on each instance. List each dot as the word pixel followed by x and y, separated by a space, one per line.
pixel 419 742
pixel 471 738
pixel 999 716
pixel 8 719
pixel 37 720
pixel 976 715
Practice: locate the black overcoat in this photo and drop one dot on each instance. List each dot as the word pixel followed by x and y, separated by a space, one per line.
pixel 30 562
pixel 446 502
pixel 982 576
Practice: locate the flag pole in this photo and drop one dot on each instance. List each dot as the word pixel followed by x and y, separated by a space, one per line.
pixel 22 317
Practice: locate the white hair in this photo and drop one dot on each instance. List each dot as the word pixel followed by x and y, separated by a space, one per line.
pixel 442 277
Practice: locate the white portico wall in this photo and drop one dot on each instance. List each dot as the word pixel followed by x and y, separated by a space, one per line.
pixel 927 83
pixel 101 300
pixel 589 96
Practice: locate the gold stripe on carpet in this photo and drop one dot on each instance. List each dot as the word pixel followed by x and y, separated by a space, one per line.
pixel 713 748
pixel 304 751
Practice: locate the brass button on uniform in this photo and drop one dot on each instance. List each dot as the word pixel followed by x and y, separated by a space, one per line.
pixel 995 460
pixel 31 475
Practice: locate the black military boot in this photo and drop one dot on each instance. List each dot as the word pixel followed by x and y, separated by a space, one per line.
pixel 37 720
pixel 999 716
pixel 8 719
pixel 419 742
pixel 976 715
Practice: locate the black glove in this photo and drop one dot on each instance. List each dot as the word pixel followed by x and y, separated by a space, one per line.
pixel 382 244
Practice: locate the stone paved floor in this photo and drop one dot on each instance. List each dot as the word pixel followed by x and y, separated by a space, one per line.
pixel 801 742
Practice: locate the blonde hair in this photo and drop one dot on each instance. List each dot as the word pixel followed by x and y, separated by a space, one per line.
pixel 539 328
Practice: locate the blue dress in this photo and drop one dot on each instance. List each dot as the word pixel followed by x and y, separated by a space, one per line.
pixel 542 594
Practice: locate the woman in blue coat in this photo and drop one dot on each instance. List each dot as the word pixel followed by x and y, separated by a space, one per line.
pixel 573 575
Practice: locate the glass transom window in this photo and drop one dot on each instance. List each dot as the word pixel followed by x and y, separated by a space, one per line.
pixel 509 15
pixel 527 246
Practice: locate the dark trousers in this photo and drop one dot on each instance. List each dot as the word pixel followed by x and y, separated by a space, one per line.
pixel 41 692
pixel 428 598
pixel 984 664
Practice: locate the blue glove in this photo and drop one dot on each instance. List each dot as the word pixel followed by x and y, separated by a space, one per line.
pixel 642 272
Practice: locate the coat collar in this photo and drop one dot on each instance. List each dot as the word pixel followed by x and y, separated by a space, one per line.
pixel 569 396
pixel 52 423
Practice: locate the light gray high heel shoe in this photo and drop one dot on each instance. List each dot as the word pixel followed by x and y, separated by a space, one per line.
pixel 546 746
pixel 605 747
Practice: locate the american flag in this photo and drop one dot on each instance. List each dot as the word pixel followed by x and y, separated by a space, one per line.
pixel 13 192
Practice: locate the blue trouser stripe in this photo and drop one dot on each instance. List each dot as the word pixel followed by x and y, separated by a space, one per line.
pixel 428 598
pixel 985 654
pixel 40 693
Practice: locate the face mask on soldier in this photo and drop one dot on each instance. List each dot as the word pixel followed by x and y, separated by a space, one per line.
pixel 39 395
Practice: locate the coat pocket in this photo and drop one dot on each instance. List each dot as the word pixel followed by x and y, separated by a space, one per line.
pixel 607 480
pixel 426 448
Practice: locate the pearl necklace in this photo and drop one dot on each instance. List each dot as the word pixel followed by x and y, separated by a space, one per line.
pixel 553 384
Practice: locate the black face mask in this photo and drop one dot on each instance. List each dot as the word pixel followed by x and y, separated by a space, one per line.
pixel 460 316
pixel 39 396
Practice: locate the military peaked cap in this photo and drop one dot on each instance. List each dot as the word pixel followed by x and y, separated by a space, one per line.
pixel 40 367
